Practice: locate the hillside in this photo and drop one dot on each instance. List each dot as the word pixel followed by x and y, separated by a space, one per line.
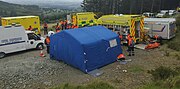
pixel 8 9
pixel 59 4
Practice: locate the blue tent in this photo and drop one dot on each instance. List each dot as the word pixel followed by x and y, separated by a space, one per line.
pixel 86 48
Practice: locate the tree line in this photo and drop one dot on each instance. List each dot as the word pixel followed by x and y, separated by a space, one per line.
pixel 128 6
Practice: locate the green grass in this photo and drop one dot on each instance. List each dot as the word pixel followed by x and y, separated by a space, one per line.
pixel 136 69
pixel 95 85
pixel 173 84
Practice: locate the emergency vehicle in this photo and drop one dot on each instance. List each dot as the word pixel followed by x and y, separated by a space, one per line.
pixel 82 19
pixel 25 21
pixel 125 24
pixel 16 38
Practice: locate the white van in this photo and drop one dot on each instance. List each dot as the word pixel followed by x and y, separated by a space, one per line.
pixel 15 38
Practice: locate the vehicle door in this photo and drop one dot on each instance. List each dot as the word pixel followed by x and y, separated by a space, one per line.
pixel 32 40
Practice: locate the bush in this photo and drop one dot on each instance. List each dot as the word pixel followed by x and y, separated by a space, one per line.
pixel 174 83
pixel 177 56
pixel 162 73
pixel 165 78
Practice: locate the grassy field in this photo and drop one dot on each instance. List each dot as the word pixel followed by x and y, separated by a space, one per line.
pixel 94 85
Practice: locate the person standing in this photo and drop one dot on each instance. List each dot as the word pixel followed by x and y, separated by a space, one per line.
pixel 131 45
pixel 57 28
pixel 30 28
pixel 47 43
pixel 65 24
pixel 45 28
pixel 62 24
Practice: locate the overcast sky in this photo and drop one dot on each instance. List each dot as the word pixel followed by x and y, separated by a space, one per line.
pixel 39 1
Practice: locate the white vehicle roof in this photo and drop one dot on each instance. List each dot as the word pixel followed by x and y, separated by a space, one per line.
pixel 164 11
pixel 159 19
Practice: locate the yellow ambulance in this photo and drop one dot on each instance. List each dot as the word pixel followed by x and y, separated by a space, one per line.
pixel 82 19
pixel 125 24
pixel 25 21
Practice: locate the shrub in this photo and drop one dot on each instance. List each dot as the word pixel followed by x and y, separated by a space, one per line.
pixel 177 56
pixel 167 53
pixel 162 73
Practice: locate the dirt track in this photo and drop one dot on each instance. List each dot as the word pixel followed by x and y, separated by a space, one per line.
pixel 26 70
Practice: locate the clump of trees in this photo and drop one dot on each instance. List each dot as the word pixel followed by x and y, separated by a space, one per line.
pixel 128 6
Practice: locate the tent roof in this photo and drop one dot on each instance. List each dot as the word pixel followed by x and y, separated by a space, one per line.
pixel 93 34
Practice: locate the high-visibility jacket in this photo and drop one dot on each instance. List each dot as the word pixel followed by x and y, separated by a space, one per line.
pixel 120 36
pixel 131 42
pixel 75 26
pixel 57 27
pixel 61 22
pixel 68 27
pixel 128 36
pixel 47 41
pixel 156 36
pixel 65 22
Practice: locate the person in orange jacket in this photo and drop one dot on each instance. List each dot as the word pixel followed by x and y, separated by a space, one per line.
pixel 69 26
pixel 75 26
pixel 156 37
pixel 131 45
pixel 120 36
pixel 57 27
pixel 47 43
pixel 62 24
pixel 30 28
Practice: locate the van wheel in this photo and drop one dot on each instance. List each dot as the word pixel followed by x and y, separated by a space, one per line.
pixel 2 54
pixel 40 46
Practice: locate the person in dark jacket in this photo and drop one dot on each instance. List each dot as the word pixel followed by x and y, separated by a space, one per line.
pixel 45 28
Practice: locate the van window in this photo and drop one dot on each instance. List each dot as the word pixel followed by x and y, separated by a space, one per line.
pixel 33 36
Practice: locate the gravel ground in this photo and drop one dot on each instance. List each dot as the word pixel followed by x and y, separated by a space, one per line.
pixel 27 70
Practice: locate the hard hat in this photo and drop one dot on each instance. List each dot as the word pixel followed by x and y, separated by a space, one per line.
pixel 50 33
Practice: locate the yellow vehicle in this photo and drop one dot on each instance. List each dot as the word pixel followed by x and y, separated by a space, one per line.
pixel 82 19
pixel 25 21
pixel 178 9
pixel 125 24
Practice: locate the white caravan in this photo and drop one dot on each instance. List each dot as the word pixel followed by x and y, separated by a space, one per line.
pixel 163 27
pixel 15 38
